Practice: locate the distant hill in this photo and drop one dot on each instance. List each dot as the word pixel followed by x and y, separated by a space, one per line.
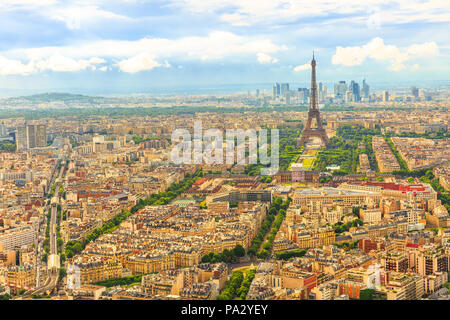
pixel 58 99
pixel 57 96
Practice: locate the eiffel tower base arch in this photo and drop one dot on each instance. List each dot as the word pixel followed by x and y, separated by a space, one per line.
pixel 313 133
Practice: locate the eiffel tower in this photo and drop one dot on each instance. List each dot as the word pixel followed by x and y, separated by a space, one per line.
pixel 313 112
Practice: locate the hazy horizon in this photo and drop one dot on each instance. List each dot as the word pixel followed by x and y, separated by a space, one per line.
pixel 204 89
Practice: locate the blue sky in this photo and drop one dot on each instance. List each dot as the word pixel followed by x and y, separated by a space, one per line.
pixel 122 45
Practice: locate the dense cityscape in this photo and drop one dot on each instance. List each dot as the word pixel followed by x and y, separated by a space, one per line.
pixel 219 159
pixel 93 208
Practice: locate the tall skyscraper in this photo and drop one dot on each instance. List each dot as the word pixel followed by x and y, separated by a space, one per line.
pixel 284 89
pixel 21 138
pixel 365 90
pixel 31 136
pixel 320 92
pixel 276 90
pixel 354 89
pixel 303 94
pixel 41 135
pixel 385 96
pixel 415 92
pixel 340 89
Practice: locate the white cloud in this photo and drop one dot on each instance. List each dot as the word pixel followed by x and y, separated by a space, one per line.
pixel 26 4
pixel 235 20
pixel 134 56
pixel 302 67
pixel 14 67
pixel 74 13
pixel 60 63
pixel 249 12
pixel 377 50
pixel 97 60
pixel 56 63
pixel 265 58
pixel 424 49
pixel 144 54
pixel 216 45
pixel 143 61
pixel 74 17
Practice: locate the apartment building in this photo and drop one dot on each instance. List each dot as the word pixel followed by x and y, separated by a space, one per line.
pixel 93 269
pixel 15 238
pixel 314 200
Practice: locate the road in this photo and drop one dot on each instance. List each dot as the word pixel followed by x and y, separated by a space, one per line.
pixel 52 269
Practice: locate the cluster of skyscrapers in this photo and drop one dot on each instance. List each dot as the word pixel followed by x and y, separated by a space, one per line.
pixel 342 93
pixel 282 92
pixel 353 92
pixel 31 136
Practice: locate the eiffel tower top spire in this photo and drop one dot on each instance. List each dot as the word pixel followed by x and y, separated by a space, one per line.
pixel 313 97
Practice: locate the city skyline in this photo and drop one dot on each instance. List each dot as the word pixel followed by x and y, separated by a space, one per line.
pixel 134 46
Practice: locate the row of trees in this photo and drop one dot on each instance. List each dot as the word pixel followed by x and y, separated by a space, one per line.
pixel 265 179
pixel 356 132
pixel 434 182
pixel 401 162
pixel 344 227
pixel 238 285
pixel 287 255
pixel 52 191
pixel 46 242
pixel 441 134
pixel 225 256
pixel 271 223
pixel 139 139
pixel 6 146
pixel 171 193
pixel 267 246
pixel 124 281
pixel 347 245
pixel 366 294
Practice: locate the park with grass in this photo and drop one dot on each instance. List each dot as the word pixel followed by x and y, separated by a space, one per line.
pixel 344 149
